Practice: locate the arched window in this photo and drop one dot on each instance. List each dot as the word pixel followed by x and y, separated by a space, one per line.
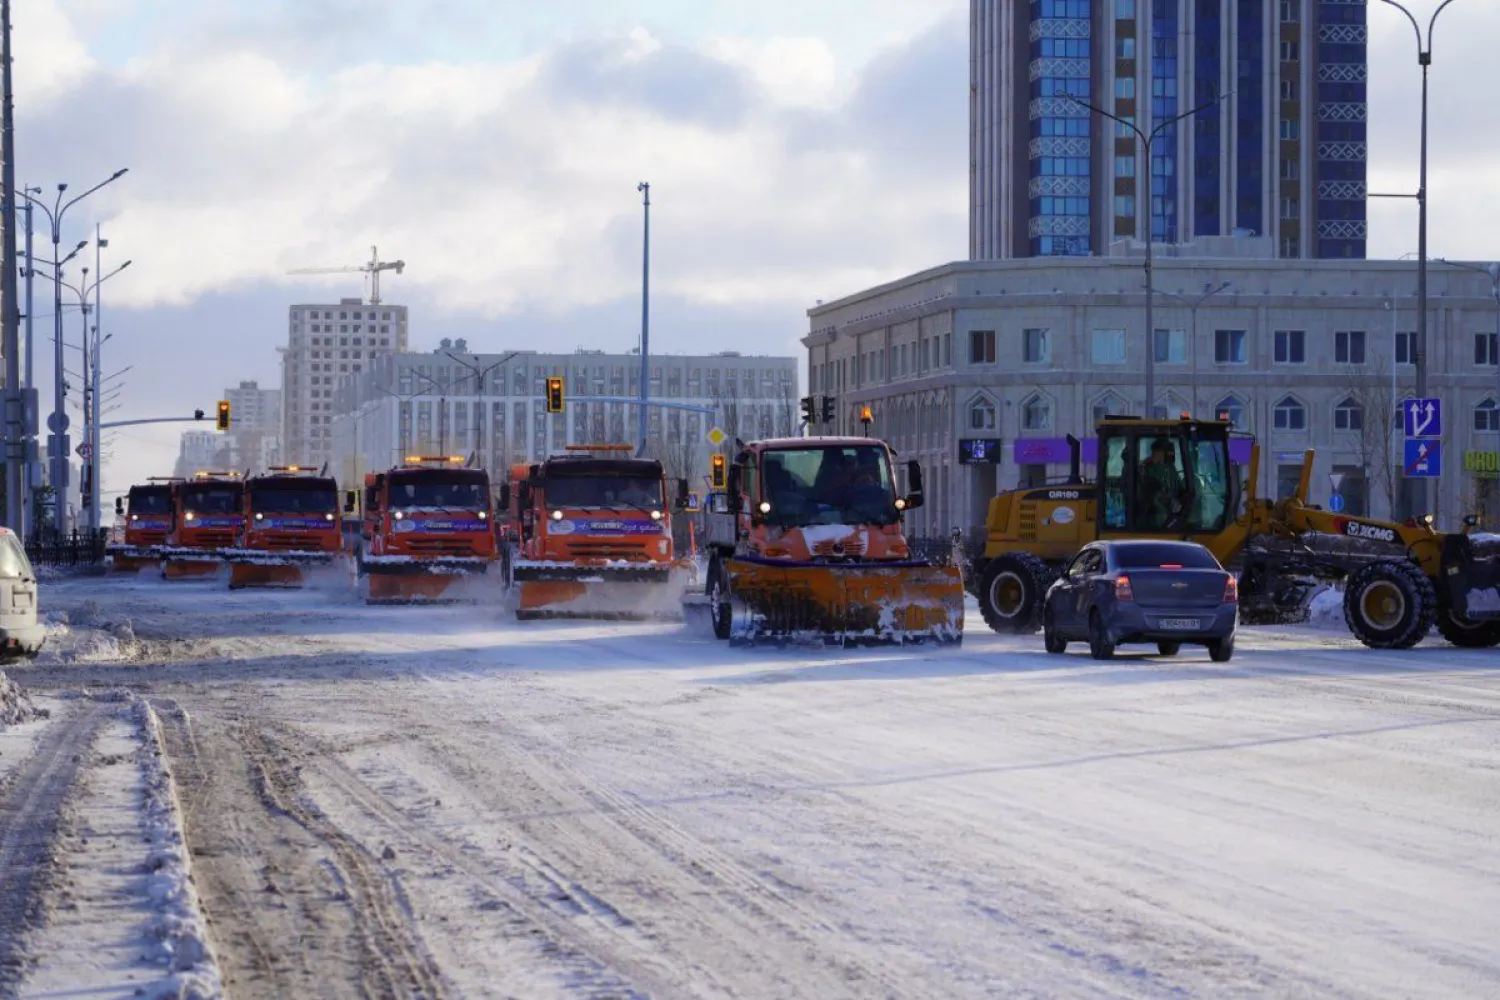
pixel 982 415
pixel 1348 415
pixel 1170 406
pixel 1291 415
pixel 1109 403
pixel 1487 416
pixel 1036 414
pixel 1231 409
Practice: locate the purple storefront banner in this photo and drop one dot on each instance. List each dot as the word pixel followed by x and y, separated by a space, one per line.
pixel 1054 451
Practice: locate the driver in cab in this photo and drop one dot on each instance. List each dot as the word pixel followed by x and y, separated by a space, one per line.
pixel 1161 485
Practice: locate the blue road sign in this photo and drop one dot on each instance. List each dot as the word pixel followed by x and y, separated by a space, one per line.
pixel 1423 417
pixel 1336 503
pixel 1423 459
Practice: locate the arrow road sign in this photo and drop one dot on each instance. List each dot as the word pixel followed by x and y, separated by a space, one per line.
pixel 84 451
pixel 1423 459
pixel 1336 503
pixel 1423 417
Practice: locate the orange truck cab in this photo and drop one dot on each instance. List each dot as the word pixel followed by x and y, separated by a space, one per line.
pixel 206 519
pixel 590 535
pixel 291 523
pixel 147 514
pixel 427 523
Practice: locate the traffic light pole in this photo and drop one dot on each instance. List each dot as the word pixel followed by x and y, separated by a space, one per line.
pixel 151 420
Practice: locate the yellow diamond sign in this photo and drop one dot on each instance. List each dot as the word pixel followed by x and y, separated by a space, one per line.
pixel 716 437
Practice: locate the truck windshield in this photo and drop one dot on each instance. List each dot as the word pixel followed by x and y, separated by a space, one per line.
pixel 220 500
pixel 849 484
pixel 469 496
pixel 603 491
pixel 150 501
pixel 284 501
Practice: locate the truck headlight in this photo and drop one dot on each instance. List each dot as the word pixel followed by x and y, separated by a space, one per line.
pixel 259 516
pixel 483 516
pixel 189 516
pixel 326 517
pixel 398 515
pixel 557 515
pixel 765 506
pixel 656 515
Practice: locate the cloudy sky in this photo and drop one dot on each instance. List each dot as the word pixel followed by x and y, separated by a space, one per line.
pixel 797 150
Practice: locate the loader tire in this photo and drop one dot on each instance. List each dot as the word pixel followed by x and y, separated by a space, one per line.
pixel 1390 604
pixel 1463 632
pixel 1011 593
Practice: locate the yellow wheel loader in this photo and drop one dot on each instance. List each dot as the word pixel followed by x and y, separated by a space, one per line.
pixel 1173 479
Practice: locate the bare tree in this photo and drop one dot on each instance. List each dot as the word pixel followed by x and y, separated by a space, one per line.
pixel 1376 439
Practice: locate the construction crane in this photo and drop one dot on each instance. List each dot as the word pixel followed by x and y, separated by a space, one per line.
pixel 373 269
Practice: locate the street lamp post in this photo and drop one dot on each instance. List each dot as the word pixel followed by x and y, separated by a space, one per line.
pixel 58 422
pixel 1419 354
pixel 645 189
pixel 1192 303
pixel 91 383
pixel 479 375
pixel 1145 140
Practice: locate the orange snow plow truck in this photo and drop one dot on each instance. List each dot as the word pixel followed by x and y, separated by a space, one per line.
pixel 806 543
pixel 147 512
pixel 206 520
pixel 427 525
pixel 291 527
pixel 589 535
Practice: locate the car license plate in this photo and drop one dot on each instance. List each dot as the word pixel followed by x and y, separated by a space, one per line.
pixel 1179 624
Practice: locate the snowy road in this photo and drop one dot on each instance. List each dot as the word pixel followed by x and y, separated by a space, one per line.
pixel 436 802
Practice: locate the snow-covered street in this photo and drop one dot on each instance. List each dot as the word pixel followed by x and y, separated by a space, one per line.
pixel 441 802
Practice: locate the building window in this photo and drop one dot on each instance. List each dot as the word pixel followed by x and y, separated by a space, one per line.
pixel 1125 88
pixel 1124 9
pixel 1291 11
pixel 1291 347
pixel 1125 47
pixel 1348 415
pixel 1109 347
pixel 1289 92
pixel 1036 414
pixel 981 347
pixel 1109 404
pixel 1290 208
pixel 1290 415
pixel 1230 408
pixel 1487 416
pixel 1291 51
pixel 1291 128
pixel 1229 347
pixel 1290 246
pixel 1484 349
pixel 1406 347
pixel 1125 206
pixel 982 415
pixel 1171 347
pixel 1349 347
pixel 1125 166
pixel 1037 346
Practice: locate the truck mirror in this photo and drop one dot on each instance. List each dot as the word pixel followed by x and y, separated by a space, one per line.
pixel 732 494
pixel 913 498
pixel 682 494
pixel 351 500
pixel 504 492
pixel 119 505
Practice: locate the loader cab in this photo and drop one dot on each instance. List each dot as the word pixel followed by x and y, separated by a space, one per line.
pixel 1170 478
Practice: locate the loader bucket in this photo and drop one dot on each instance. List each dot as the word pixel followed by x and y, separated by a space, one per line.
pixel 1471 575
pixel 602 594
pixel 845 603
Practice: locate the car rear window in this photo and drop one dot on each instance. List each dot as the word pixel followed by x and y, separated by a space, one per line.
pixel 1152 556
pixel 13 561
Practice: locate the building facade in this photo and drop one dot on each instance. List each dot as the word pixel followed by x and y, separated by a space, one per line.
pixel 254 425
pixel 1310 354
pixel 203 451
pixel 327 344
pixel 492 406
pixel 1282 155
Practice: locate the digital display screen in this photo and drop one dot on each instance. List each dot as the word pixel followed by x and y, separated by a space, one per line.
pixel 979 451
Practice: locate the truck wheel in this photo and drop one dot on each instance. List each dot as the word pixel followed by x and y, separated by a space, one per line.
pixel 1011 592
pixel 1389 605
pixel 1466 632
pixel 718 599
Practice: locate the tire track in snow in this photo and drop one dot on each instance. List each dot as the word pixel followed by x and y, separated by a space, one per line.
pixel 31 809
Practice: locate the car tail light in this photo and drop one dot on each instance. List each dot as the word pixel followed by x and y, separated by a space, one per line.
pixel 1171 565
pixel 1231 590
pixel 1122 588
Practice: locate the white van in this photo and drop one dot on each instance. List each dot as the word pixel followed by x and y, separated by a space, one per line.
pixel 20 635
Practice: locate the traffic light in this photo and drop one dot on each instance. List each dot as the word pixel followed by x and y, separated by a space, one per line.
pixel 809 416
pixel 223 422
pixel 827 409
pixel 554 394
pixel 197 414
pixel 717 474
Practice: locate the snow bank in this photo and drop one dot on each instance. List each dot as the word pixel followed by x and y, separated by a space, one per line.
pixel 83 636
pixel 15 706
pixel 178 923
pixel 1326 610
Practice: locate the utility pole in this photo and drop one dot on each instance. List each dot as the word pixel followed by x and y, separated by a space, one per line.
pixel 645 189
pixel 10 343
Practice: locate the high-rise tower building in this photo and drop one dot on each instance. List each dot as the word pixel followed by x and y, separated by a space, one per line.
pixel 1281 154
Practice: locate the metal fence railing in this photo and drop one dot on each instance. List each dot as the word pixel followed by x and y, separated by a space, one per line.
pixel 74 549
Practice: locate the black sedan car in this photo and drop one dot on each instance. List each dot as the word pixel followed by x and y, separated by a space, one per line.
pixel 1168 593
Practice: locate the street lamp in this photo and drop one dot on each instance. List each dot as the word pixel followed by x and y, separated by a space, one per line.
pixel 645 189
pixel 91 383
pixel 479 384
pixel 1419 354
pixel 1209 291
pixel 58 422
pixel 1145 140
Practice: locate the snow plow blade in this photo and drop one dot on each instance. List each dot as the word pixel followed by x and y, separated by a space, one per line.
pixel 426 581
pixel 189 564
pixel 1471 572
pixel 606 594
pixel 132 559
pixel 256 568
pixel 844 603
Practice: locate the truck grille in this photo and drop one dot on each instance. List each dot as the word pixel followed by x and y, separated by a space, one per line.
pixel 286 541
pixel 442 546
pixel 854 545
pixel 608 550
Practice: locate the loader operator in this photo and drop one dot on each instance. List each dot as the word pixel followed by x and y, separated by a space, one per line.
pixel 1161 485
